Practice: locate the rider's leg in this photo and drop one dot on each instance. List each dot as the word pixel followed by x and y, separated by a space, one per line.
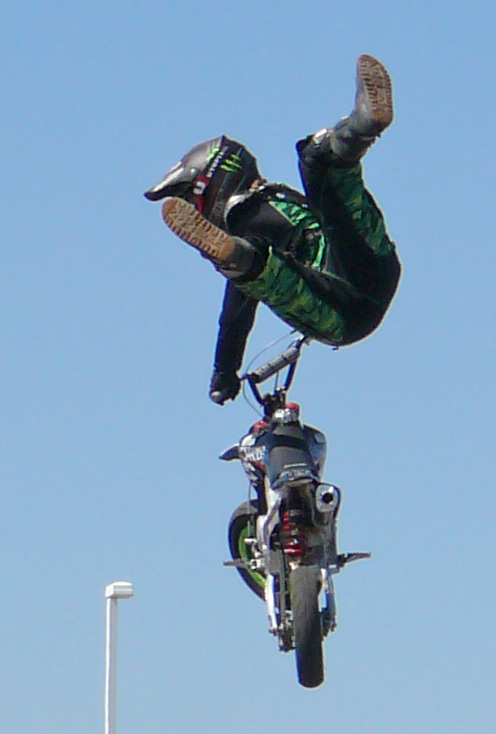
pixel 359 248
pixel 372 113
pixel 270 277
pixel 234 256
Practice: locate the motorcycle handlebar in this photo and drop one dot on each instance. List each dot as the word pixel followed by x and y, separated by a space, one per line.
pixel 275 365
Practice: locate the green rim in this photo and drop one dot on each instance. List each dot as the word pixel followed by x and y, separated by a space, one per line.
pixel 244 553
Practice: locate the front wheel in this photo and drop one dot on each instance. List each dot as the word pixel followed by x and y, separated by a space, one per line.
pixel 304 590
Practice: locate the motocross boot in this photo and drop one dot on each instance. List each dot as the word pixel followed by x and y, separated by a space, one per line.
pixel 233 256
pixel 352 136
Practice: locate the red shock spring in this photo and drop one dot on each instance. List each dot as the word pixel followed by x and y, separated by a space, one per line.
pixel 294 540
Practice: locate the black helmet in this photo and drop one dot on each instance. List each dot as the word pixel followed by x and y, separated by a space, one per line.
pixel 208 175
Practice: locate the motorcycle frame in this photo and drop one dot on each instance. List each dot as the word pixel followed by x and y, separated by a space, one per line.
pixel 305 479
pixel 274 563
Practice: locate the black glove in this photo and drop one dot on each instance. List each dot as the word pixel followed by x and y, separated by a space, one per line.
pixel 223 386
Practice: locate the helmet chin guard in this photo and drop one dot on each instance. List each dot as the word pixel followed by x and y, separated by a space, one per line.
pixel 208 175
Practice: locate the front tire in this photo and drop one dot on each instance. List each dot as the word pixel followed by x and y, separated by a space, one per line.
pixel 304 590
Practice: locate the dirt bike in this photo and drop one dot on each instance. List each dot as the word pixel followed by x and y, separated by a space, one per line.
pixel 283 539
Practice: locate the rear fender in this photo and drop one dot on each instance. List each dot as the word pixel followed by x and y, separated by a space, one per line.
pixel 288 452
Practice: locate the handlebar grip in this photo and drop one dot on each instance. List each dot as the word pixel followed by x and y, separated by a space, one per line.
pixel 270 368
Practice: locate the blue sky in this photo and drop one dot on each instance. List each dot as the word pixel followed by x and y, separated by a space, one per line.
pixel 109 444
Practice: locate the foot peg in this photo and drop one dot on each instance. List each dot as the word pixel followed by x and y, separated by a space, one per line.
pixel 344 558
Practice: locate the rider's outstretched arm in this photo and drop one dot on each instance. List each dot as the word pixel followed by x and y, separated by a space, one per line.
pixel 235 323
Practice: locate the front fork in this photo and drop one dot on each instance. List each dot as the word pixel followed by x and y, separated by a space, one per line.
pixel 329 611
pixel 279 612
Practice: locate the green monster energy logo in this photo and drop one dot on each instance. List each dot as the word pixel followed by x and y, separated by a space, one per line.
pixel 212 153
pixel 233 163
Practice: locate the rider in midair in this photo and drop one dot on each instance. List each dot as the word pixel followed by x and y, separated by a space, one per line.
pixel 322 261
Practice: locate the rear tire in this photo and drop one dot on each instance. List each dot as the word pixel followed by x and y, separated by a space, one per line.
pixel 304 589
pixel 241 525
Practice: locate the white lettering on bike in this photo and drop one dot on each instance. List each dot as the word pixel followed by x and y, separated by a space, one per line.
pixel 199 188
pixel 253 454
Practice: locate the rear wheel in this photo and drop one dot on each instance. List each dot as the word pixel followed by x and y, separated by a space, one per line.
pixel 242 526
pixel 304 589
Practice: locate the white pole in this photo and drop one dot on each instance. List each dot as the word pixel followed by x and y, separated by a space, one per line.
pixel 113 592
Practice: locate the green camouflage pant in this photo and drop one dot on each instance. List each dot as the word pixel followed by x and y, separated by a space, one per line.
pixel 338 278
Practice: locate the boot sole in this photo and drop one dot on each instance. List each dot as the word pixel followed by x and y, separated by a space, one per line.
pixel 377 83
pixel 188 224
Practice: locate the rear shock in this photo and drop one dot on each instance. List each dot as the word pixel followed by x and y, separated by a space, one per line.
pixel 293 533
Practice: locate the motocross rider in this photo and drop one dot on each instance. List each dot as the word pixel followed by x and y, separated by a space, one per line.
pixel 323 261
